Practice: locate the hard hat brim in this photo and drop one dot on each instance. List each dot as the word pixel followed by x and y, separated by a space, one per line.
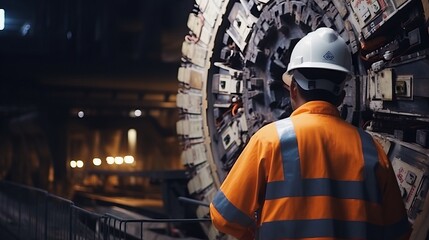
pixel 321 65
pixel 312 84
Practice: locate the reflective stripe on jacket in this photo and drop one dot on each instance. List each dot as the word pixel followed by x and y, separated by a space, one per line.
pixel 311 176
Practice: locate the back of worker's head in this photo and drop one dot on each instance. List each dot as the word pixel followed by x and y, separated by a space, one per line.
pixel 320 64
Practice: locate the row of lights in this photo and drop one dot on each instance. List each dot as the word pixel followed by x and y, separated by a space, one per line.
pixel 109 160
pixel 134 113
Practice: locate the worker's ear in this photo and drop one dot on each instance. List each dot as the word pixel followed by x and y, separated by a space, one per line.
pixel 293 89
pixel 341 98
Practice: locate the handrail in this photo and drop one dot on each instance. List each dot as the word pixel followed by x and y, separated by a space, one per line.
pixel 31 213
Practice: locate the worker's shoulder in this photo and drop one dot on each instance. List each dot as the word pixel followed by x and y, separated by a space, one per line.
pixel 268 131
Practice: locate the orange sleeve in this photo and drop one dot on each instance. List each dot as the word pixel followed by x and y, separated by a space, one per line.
pixel 234 206
pixel 232 229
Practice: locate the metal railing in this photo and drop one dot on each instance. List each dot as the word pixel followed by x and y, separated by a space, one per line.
pixel 31 213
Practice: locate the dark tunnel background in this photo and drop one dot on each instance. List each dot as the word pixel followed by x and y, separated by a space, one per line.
pixel 76 77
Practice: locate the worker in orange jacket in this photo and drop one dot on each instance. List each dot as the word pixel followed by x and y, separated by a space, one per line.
pixel 312 175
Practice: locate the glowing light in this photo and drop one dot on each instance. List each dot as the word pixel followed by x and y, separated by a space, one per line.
pixel 80 114
pixel 132 141
pixel 96 161
pixel 73 164
pixel 137 112
pixel 129 159
pixel 2 18
pixel 119 160
pixel 79 163
pixel 110 160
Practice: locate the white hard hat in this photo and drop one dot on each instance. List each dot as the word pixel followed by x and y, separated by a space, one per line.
pixel 323 49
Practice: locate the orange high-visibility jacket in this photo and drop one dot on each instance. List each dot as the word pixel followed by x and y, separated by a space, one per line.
pixel 311 176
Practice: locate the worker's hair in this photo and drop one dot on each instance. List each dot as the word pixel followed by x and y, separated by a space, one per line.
pixel 319 94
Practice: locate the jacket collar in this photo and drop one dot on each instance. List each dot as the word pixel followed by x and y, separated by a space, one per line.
pixel 317 107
